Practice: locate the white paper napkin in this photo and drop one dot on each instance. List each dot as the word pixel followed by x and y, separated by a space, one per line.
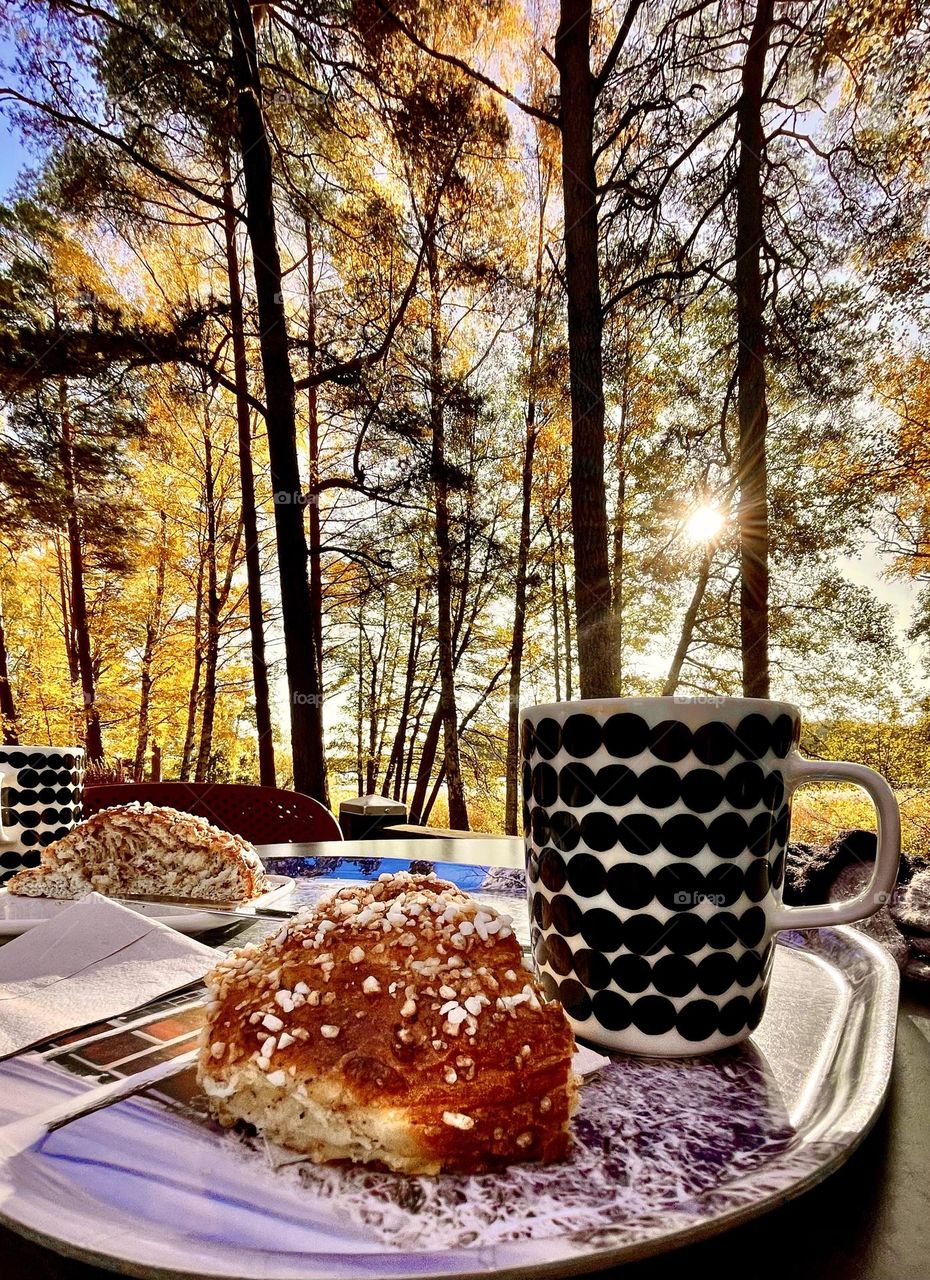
pixel 586 1061
pixel 92 961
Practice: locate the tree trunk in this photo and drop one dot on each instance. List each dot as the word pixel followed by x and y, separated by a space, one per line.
pixel 375 681
pixel 211 657
pixel 470 714
pixel 152 635
pixel 145 697
pixel 512 765
pixel 394 773
pixel 618 566
pixel 750 363
pixel 460 641
pixel 359 710
pixel 426 691
pixel 253 568
pixel 512 762
pixel 566 609
pixel 314 523
pixel 597 658
pixel 64 596
pixel 458 812
pixel 193 696
pixel 690 618
pixel 555 613
pixel 280 415
pixel 618 550
pixel 385 697
pixel 7 705
pixel 425 766
pixel 93 738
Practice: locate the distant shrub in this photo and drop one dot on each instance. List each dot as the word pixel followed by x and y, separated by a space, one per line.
pixel 819 814
pixel 107 772
pixel 484 815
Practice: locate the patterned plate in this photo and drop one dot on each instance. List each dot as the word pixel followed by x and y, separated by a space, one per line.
pixel 665 1152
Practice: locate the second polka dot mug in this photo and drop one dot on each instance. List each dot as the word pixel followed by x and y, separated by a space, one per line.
pixel 656 835
pixel 41 799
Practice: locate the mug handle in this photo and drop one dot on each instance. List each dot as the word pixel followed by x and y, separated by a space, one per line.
pixel 7 775
pixel 877 892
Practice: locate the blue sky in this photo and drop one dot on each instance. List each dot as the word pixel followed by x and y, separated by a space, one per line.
pixel 13 156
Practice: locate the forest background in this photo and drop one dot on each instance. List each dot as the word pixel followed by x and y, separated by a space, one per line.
pixel 371 369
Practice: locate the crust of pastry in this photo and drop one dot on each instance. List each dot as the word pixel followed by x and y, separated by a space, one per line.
pixel 393 1024
pixel 145 849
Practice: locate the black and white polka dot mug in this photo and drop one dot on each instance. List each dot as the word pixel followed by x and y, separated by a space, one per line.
pixel 41 799
pixel 656 834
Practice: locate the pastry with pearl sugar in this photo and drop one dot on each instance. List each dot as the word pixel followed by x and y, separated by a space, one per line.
pixel 146 849
pixel 393 1024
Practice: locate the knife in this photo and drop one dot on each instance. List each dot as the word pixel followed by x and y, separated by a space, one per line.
pixel 19 1135
pixel 244 912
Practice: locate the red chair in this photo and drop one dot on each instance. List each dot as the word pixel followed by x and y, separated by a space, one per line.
pixel 262 815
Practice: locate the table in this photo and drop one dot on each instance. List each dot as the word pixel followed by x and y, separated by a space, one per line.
pixel 479 851
pixel 870 1220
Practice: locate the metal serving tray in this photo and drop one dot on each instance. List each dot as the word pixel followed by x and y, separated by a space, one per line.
pixel 665 1152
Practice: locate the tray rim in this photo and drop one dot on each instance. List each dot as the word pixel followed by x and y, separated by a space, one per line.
pixel 592 1259
pixel 181 921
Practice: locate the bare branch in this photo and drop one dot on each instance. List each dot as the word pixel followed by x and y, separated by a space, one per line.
pixel 617 47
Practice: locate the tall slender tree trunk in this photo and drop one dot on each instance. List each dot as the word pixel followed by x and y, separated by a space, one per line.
pixel 618 565
pixel 375 680
pixel 145 698
pixel 152 634
pixel 253 568
pixel 555 613
pixel 460 639
pixel 512 762
pixel 426 762
pixel 385 692
pixel 519 634
pixel 212 647
pixel 393 777
pixel 64 596
pixel 618 550
pixel 690 618
pixel 7 705
pixel 567 629
pixel 752 407
pixel 597 658
pixel 410 754
pixel 426 692
pixel 93 738
pixel 566 607
pixel 193 696
pixel 314 495
pixel 360 709
pixel 280 416
pixel 470 715
pixel 458 811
